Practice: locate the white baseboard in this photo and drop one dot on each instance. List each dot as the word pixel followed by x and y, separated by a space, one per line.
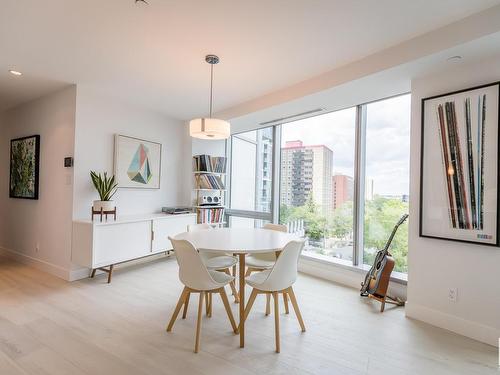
pixel 42 265
pixel 474 330
pixel 344 275
pixel 78 274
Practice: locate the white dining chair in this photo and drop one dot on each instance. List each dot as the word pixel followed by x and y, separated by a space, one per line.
pixel 265 261
pixel 279 279
pixel 198 279
pixel 216 261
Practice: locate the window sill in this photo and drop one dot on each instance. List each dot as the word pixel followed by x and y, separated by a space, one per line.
pixel 396 277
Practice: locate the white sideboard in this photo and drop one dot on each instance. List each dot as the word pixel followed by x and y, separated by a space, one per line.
pixel 96 244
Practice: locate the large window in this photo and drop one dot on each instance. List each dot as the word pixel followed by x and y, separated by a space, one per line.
pixel 251 178
pixel 317 181
pixel 341 180
pixel 387 177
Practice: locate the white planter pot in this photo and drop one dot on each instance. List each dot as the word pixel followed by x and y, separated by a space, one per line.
pixel 105 205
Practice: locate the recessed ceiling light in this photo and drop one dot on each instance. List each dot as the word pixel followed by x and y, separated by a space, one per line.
pixel 454 58
pixel 15 72
pixel 141 2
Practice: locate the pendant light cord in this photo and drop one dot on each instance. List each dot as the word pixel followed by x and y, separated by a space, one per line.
pixel 211 86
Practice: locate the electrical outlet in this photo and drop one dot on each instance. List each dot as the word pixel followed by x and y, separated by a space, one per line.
pixel 453 294
pixel 37 248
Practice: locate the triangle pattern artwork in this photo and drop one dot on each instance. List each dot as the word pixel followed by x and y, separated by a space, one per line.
pixel 140 169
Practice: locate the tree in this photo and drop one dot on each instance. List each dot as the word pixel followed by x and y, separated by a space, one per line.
pixel 315 224
pixel 342 220
pixel 381 214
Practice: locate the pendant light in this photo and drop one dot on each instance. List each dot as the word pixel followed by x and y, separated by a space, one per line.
pixel 208 127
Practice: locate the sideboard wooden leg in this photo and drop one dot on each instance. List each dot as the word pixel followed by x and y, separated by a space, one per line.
pixel 93 273
pixel 110 273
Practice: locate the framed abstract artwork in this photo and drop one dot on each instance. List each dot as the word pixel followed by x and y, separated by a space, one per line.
pixel 24 167
pixel 459 171
pixel 137 163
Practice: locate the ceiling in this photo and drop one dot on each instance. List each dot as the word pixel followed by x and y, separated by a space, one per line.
pixel 383 84
pixel 154 55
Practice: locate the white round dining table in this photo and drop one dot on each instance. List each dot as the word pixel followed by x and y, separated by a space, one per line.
pixel 239 241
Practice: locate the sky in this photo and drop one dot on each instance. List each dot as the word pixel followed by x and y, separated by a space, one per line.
pixel 387 141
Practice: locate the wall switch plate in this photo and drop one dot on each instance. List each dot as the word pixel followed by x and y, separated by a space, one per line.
pixel 68 162
pixel 37 248
pixel 453 294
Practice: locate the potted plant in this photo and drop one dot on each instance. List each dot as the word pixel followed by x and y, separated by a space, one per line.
pixel 106 187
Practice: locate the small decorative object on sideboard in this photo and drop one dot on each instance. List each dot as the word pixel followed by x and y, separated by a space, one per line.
pixel 106 187
pixel 177 210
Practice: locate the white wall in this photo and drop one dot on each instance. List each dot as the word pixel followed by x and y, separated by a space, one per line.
pixel 45 222
pixel 80 122
pixel 435 266
pixel 98 119
pixel 208 147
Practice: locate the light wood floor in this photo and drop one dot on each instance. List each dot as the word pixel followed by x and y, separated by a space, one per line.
pixel 49 326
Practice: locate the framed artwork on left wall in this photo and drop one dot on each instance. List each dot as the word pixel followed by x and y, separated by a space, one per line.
pixel 24 167
pixel 459 172
pixel 137 163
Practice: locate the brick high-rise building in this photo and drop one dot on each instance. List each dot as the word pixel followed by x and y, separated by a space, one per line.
pixel 306 171
pixel 343 189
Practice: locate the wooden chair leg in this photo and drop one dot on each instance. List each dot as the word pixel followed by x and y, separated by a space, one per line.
pixel 206 303
pixel 182 298
pixel 250 302
pixel 234 292
pixel 285 302
pixel 276 321
pixel 186 304
pixel 210 304
pixel 296 308
pixel 249 271
pixel 382 305
pixel 225 301
pixel 268 304
pixel 198 323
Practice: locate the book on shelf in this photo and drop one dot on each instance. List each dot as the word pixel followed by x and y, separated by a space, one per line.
pixel 212 215
pixel 207 163
pixel 206 181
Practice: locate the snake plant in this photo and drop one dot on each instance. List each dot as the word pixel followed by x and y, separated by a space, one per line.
pixel 105 186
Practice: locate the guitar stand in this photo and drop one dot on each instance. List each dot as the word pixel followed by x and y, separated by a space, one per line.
pixel 386 299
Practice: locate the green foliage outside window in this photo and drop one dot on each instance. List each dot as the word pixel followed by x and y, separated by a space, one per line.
pixel 381 214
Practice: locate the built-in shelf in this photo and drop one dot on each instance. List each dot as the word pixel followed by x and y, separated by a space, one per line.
pixel 209 189
pixel 209 174
pixel 205 172
pixel 208 207
pixel 221 223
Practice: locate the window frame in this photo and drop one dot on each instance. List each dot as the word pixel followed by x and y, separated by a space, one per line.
pixel 359 182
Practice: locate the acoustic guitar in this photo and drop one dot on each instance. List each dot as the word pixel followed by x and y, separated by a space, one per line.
pixel 377 279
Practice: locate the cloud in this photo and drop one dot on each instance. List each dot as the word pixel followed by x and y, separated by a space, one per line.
pixel 387 141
